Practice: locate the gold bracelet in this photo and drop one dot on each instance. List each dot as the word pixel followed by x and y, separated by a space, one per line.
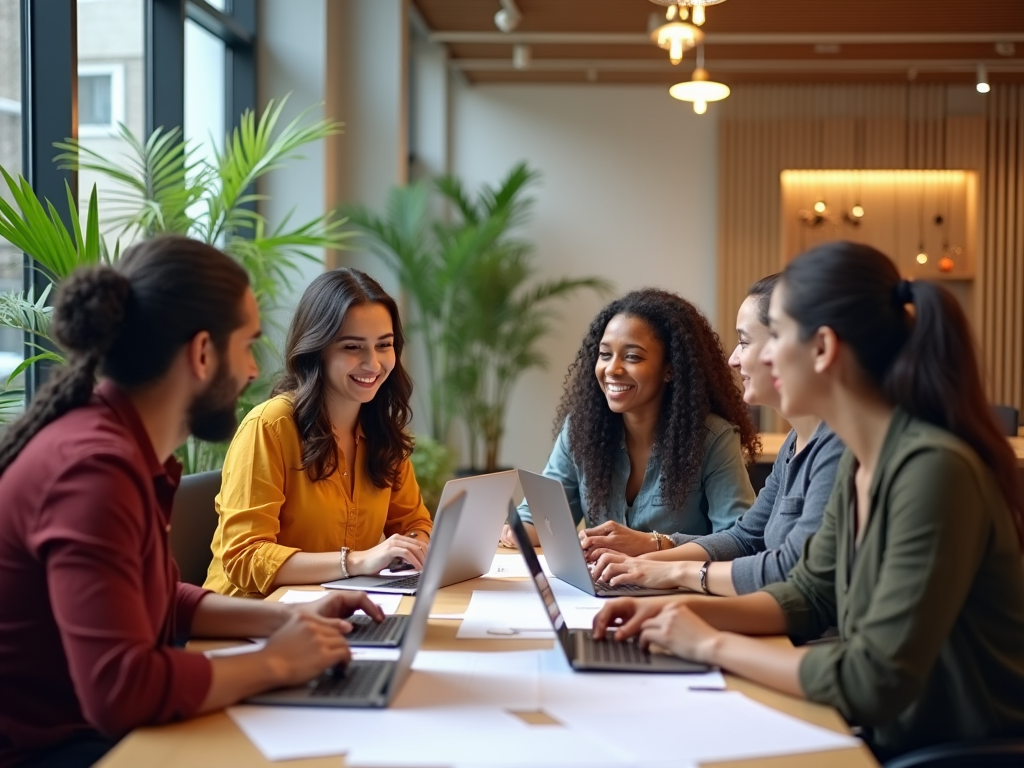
pixel 657 540
pixel 344 563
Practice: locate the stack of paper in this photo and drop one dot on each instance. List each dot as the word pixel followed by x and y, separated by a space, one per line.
pixel 501 615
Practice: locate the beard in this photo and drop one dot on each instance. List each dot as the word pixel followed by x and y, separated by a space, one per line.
pixel 212 416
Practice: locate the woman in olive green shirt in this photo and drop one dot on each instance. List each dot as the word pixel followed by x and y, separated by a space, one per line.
pixel 918 559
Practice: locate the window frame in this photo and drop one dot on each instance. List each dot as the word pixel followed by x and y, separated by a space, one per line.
pixel 117 98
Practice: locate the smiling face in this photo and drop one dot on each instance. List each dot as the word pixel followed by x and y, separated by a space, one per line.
pixel 361 355
pixel 631 367
pixel 791 360
pixel 745 359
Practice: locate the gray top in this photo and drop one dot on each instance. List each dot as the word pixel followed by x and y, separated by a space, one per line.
pixel 723 491
pixel 767 541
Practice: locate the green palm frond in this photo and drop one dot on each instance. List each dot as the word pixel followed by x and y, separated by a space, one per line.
pixel 12 403
pixel 253 150
pixel 156 183
pixel 22 312
pixel 36 227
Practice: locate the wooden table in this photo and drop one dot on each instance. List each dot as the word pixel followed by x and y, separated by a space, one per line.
pixel 215 741
pixel 771 442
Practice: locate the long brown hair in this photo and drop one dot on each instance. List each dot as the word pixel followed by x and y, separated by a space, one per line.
pixel 923 362
pixel 128 321
pixel 318 317
pixel 701 384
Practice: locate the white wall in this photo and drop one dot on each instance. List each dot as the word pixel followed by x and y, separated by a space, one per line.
pixel 628 193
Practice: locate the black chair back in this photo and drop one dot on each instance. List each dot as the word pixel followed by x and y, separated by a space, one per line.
pixel 988 753
pixel 193 522
pixel 1008 419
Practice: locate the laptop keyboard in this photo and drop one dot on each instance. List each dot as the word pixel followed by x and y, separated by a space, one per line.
pixel 624 589
pixel 359 680
pixel 408 582
pixel 366 630
pixel 610 651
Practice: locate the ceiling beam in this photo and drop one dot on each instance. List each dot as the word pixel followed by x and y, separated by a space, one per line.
pixel 743 65
pixel 727 38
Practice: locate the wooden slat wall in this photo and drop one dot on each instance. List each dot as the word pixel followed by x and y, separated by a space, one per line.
pixel 765 129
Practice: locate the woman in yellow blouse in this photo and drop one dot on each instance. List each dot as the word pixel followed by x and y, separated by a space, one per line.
pixel 317 473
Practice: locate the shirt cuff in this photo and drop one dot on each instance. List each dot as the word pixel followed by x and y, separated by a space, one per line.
pixel 266 562
pixel 683 538
pixel 186 600
pixel 800 618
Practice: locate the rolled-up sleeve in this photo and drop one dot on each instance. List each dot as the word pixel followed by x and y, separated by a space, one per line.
pixel 88 535
pixel 562 468
pixel 249 504
pixel 406 510
pixel 936 536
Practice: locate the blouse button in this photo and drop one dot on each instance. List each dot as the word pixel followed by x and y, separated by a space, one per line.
pixel 344 474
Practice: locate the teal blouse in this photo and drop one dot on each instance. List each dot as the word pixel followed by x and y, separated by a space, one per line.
pixel 722 494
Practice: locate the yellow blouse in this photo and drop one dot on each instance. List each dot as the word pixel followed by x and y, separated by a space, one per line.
pixel 269 508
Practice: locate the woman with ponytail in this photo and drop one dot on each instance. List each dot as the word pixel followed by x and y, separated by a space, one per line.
pixel 317 473
pixel 918 559
pixel 91 609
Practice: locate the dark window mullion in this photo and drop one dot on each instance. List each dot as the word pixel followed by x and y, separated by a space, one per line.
pixel 49 103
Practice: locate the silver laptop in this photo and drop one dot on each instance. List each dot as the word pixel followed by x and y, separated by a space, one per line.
pixel 557 531
pixel 487 498
pixel 581 650
pixel 374 683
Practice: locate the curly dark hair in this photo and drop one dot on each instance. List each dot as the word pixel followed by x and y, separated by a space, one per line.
pixel 701 383
pixel 319 315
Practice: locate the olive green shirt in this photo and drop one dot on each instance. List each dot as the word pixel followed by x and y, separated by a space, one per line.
pixel 930 607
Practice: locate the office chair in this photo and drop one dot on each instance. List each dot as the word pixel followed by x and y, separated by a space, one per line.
pixel 1007 417
pixel 193 521
pixel 985 753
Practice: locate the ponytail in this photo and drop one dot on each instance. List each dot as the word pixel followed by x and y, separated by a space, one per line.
pixel 922 360
pixel 936 378
pixel 87 318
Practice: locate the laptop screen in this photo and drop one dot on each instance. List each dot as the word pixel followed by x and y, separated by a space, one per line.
pixel 537 574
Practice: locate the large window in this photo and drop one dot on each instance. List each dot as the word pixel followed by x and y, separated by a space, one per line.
pixel 11 261
pixel 141 63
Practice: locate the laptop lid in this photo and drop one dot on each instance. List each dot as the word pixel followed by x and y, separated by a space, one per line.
pixel 553 520
pixel 540 581
pixel 487 498
pixel 448 517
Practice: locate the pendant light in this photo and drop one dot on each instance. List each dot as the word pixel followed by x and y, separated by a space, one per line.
pixel 700 90
pixel 682 7
pixel 676 37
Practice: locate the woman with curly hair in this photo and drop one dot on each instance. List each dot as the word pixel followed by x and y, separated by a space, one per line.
pixel 766 542
pixel 653 440
pixel 317 473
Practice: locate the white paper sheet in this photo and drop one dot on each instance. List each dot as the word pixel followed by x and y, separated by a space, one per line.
pixel 508 680
pixel 291 733
pixel 520 614
pixel 474 743
pixel 237 650
pixel 512 566
pixel 559 683
pixel 388 603
pixel 704 726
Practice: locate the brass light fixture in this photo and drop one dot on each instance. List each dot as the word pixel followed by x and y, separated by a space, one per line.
pixel 676 37
pixel 682 8
pixel 700 90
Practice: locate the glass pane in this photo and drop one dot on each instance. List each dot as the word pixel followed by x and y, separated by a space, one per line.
pixel 205 56
pixel 94 100
pixel 11 270
pixel 111 91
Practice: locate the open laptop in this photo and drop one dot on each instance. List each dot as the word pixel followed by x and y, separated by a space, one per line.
pixel 557 531
pixel 581 650
pixel 487 497
pixel 374 683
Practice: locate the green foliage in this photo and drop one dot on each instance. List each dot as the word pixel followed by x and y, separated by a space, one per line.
pixel 164 185
pixel 433 463
pixel 475 300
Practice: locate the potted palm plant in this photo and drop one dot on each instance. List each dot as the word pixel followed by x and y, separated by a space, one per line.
pixel 477 307
pixel 164 186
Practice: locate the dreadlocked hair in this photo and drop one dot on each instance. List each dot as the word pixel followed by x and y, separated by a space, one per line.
pixel 701 384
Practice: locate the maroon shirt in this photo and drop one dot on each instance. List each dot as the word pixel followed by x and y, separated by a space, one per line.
pixel 90 601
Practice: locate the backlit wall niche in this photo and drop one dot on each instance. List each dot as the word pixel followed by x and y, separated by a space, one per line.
pixel 926 221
